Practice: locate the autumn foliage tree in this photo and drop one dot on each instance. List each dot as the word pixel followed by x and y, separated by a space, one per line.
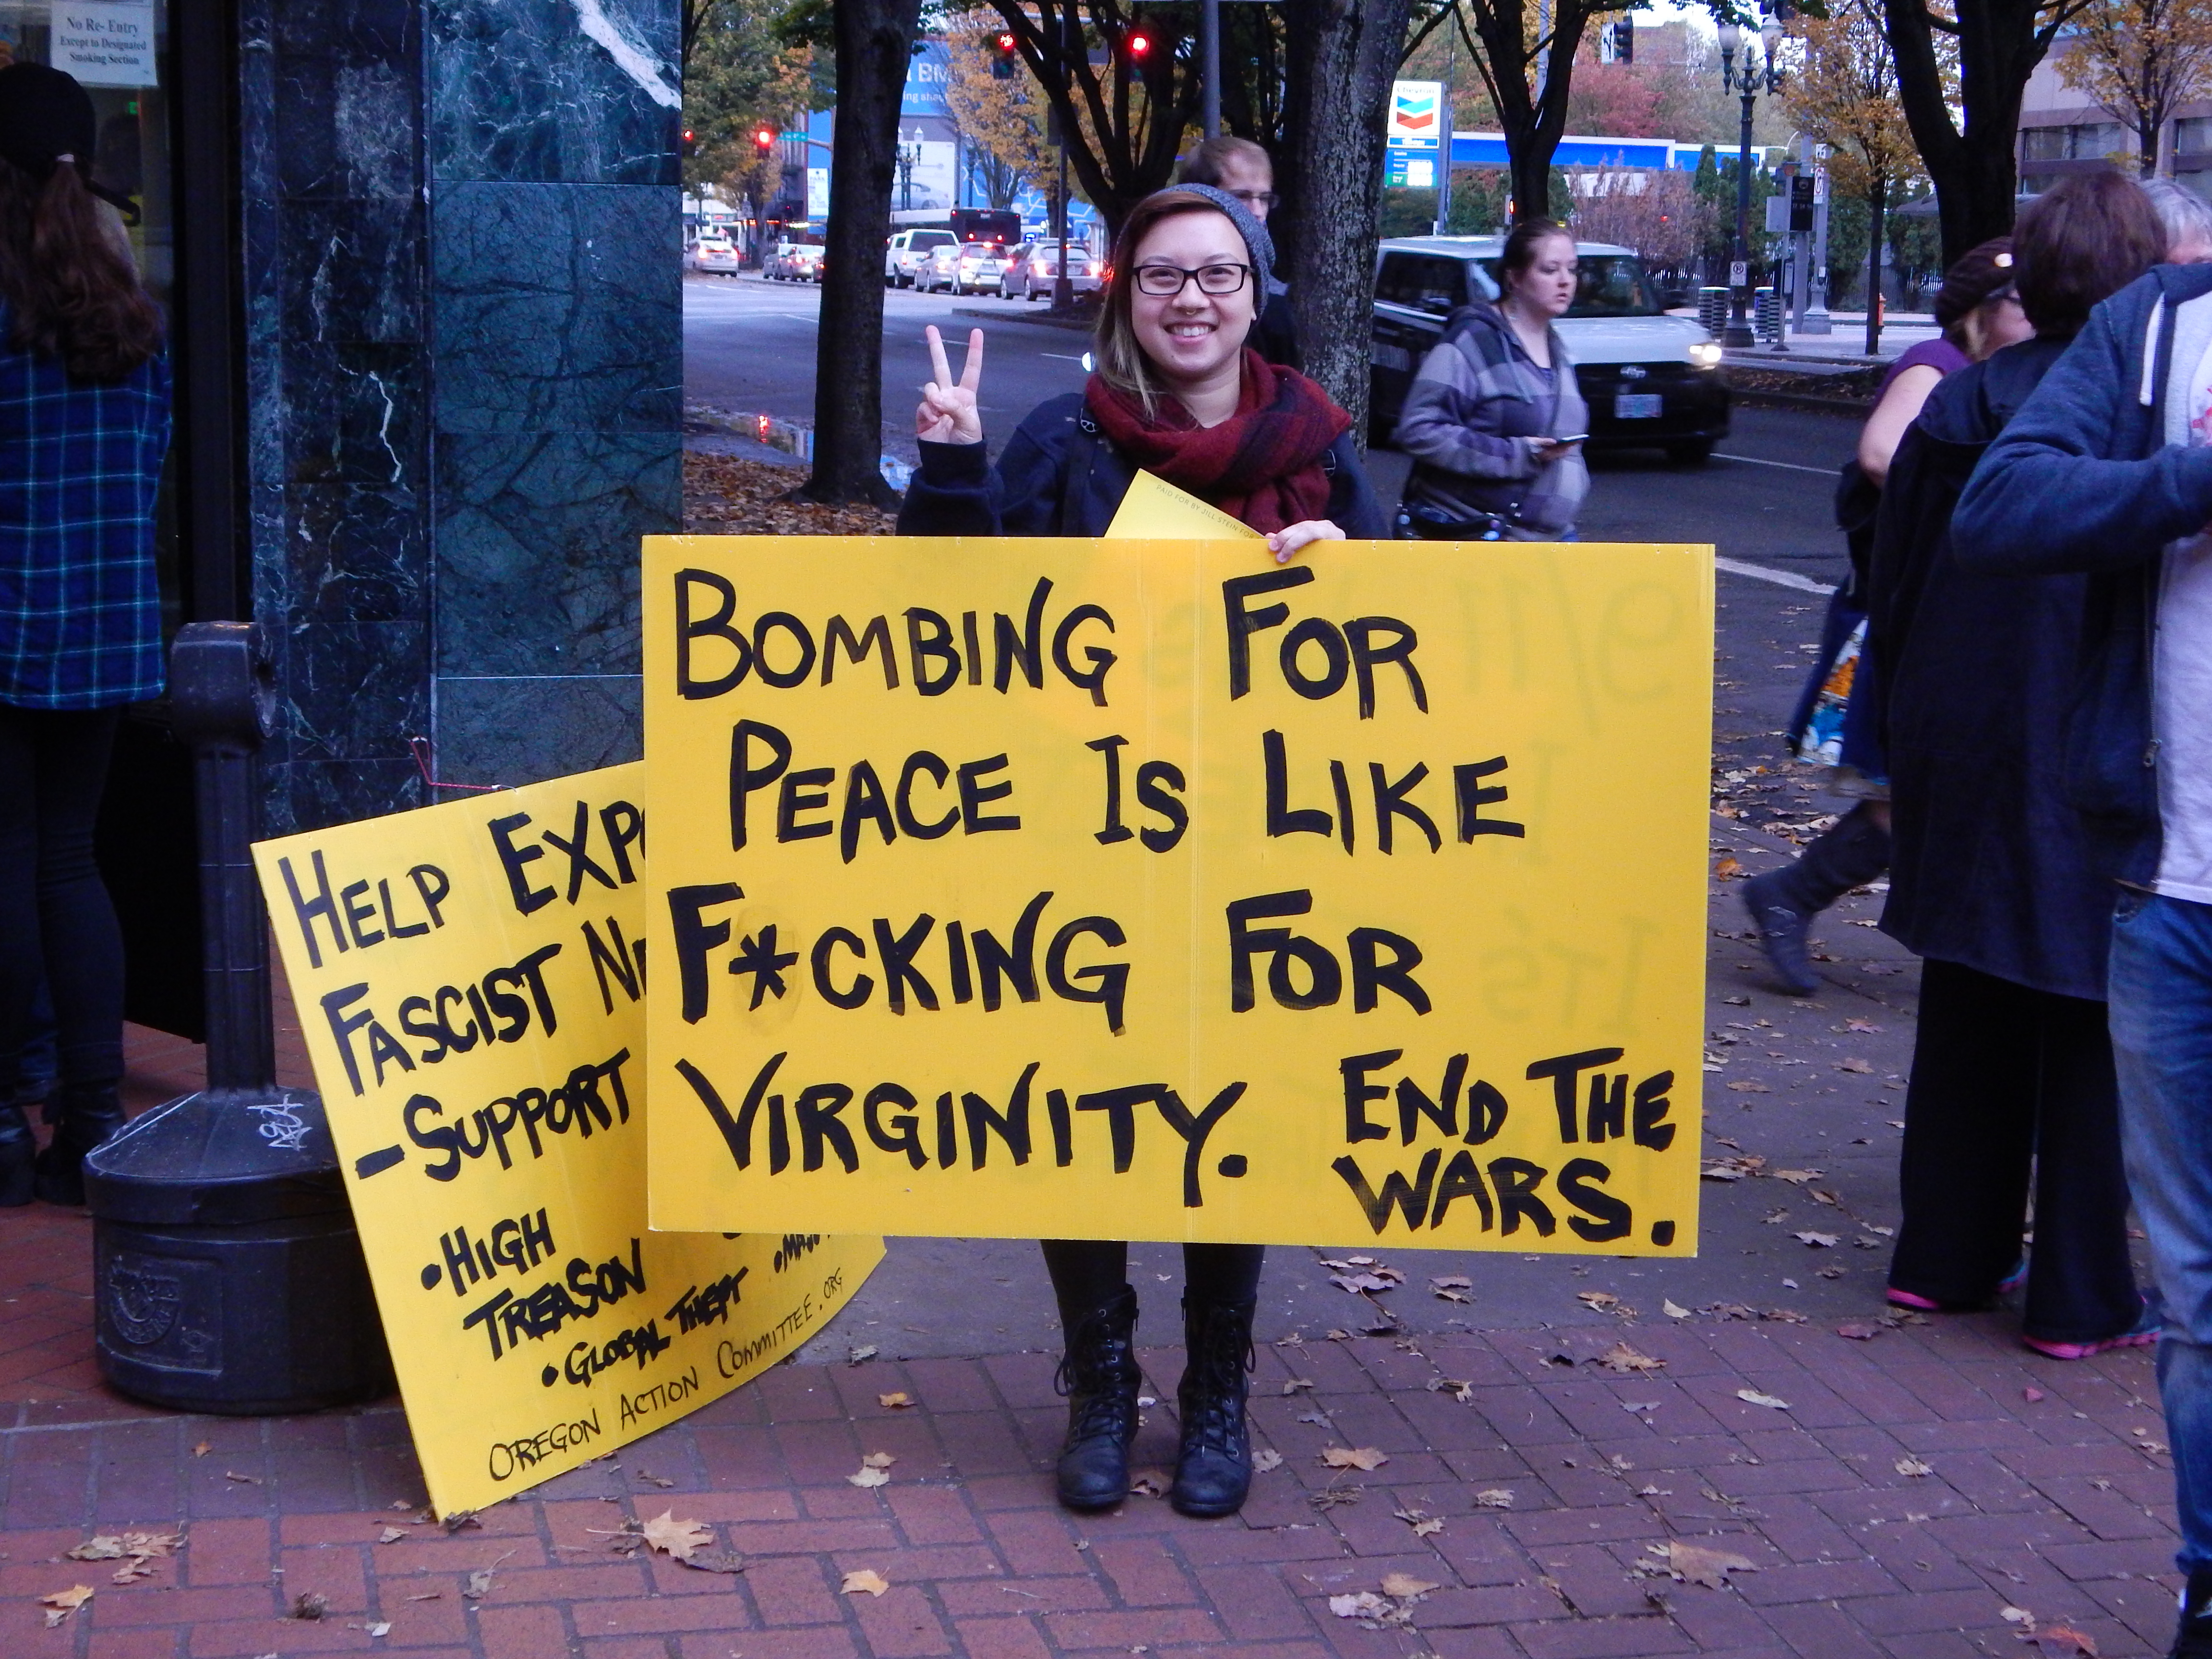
pixel 1660 215
pixel 2140 59
pixel 1843 94
pixel 1002 117
pixel 1525 53
pixel 1962 69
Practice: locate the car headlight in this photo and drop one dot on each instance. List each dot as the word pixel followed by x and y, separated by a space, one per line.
pixel 1705 354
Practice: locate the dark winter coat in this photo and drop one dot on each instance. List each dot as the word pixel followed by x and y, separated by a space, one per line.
pixel 2083 479
pixel 1058 476
pixel 1990 866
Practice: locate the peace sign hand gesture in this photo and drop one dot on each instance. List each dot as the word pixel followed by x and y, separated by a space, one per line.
pixel 947 414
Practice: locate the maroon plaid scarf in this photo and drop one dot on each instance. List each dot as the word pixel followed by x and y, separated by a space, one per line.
pixel 1261 465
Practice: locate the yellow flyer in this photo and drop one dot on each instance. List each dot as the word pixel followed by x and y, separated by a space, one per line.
pixel 1151 888
pixel 470 981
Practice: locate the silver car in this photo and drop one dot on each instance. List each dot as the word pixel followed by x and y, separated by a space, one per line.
pixel 1035 267
pixel 715 252
pixel 979 265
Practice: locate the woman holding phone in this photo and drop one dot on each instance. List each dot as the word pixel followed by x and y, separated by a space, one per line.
pixel 1493 420
pixel 1180 393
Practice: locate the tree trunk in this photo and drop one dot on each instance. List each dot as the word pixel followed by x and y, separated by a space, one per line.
pixel 1973 169
pixel 1877 201
pixel 1341 56
pixel 874 40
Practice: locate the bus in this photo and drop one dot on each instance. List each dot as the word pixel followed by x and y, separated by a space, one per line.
pixel 967 224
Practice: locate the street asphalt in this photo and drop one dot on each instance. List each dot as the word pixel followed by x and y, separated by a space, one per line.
pixel 1812 1086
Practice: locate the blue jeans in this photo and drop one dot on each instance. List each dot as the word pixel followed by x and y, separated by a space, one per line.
pixel 2161 1015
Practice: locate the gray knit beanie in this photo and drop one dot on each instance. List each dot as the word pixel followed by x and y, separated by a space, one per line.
pixel 1257 242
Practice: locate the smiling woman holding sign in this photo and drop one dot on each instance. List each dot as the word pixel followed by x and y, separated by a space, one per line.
pixel 1180 395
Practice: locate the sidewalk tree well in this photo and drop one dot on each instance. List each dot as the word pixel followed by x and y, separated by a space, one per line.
pixel 1342 56
pixel 1844 92
pixel 873 40
pixel 2140 59
pixel 1962 70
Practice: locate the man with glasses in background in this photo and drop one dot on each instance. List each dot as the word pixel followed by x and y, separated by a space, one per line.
pixel 1241 168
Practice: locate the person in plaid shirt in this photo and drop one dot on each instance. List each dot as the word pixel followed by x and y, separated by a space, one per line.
pixel 84 424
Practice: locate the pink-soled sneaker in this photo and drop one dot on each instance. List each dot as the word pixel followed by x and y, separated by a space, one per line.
pixel 2140 1335
pixel 2011 1282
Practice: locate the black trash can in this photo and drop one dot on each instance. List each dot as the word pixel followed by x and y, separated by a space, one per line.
pixel 228 1274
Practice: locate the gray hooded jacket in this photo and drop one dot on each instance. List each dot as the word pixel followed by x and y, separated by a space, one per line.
pixel 1468 415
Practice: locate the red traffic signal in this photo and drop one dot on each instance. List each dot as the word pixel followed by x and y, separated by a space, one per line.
pixel 1140 43
pixel 765 138
pixel 1006 43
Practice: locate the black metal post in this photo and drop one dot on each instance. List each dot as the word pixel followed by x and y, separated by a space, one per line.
pixel 227 1275
pixel 222 699
pixel 1740 332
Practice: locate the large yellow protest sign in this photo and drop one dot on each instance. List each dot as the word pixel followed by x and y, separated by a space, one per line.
pixel 1149 889
pixel 470 981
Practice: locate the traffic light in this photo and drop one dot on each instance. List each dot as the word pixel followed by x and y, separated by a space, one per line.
pixel 1624 41
pixel 690 141
pixel 1139 43
pixel 1002 62
pixel 765 139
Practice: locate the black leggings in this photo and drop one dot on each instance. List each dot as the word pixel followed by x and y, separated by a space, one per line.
pixel 54 916
pixel 2010 1084
pixel 1087 1272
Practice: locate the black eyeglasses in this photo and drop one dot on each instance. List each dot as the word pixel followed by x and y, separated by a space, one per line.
pixel 1165 282
pixel 1266 198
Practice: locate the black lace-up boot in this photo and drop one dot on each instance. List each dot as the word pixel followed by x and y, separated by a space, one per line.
pixel 1213 1471
pixel 90 1112
pixel 18 1150
pixel 1783 902
pixel 1099 1376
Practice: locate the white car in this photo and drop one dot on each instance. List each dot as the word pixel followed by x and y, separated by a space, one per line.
pixel 1034 267
pixel 1649 379
pixel 715 251
pixel 793 262
pixel 907 249
pixel 978 266
pixel 937 268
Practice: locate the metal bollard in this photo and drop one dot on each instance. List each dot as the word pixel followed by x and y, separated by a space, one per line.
pixel 228 1274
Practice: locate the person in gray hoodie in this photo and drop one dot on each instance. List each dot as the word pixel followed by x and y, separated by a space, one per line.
pixel 1493 420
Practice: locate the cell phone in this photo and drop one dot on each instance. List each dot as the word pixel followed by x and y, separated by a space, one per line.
pixel 1579 437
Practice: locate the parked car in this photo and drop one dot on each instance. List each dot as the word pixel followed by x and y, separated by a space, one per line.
pixel 937 269
pixel 1033 267
pixel 1649 379
pixel 793 262
pixel 715 251
pixel 978 266
pixel 908 249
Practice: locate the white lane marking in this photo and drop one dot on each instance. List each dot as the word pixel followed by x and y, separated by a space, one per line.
pixel 1779 578
pixel 1787 466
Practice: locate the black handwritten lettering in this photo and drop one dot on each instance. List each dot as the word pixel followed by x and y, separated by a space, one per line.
pixel 1563 1070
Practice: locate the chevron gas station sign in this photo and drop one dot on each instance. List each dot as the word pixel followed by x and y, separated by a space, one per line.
pixel 1417 118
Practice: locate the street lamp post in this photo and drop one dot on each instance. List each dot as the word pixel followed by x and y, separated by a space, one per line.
pixel 1750 81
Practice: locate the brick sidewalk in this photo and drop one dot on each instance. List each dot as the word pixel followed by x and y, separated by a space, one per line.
pixel 2059 1505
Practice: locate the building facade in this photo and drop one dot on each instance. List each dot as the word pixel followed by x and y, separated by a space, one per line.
pixel 2062 131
